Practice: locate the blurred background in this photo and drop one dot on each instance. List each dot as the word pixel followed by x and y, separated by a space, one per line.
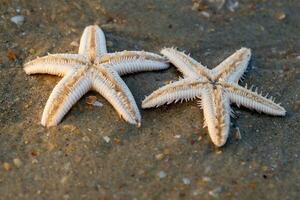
pixel 93 154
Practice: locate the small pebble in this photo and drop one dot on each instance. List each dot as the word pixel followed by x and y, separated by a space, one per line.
pixel 32 51
pixel 7 166
pixel 97 104
pixel 206 179
pixel 280 16
pixel 232 5
pixel 162 174
pixel 219 152
pixel 238 135
pixel 199 138
pixel 160 156
pixel 106 139
pixel 64 180
pixel 86 139
pixel 177 136
pixel 186 181
pixel 199 6
pixel 197 192
pixel 92 100
pixel 11 55
pixel 265 168
pixel 69 127
pixel 74 44
pixel 215 192
pixel 205 14
pixel 117 141
pixel 195 6
pixel 17 162
pixel 18 19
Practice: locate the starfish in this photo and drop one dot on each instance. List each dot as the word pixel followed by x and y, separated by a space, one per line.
pixel 93 69
pixel 216 88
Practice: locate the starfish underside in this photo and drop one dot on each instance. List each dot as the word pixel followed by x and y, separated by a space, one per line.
pixel 93 69
pixel 216 88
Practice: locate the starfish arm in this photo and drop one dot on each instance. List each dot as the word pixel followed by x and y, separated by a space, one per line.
pixel 92 42
pixel 54 64
pixel 216 109
pixel 232 68
pixel 184 89
pixel 65 94
pixel 251 99
pixel 108 83
pixel 126 62
pixel 185 64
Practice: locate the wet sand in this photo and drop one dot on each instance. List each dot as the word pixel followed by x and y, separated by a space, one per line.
pixel 93 154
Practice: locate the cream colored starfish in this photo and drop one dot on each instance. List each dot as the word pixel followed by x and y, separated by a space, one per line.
pixel 93 69
pixel 217 88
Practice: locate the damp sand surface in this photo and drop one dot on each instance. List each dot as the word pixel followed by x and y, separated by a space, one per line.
pixel 93 154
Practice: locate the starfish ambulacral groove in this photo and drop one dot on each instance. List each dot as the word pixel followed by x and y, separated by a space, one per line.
pixel 93 69
pixel 216 88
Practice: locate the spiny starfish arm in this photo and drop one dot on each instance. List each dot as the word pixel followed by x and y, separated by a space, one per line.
pixel 233 67
pixel 126 62
pixel 92 42
pixel 185 64
pixel 65 94
pixel 124 55
pixel 184 89
pixel 133 66
pixel 55 64
pixel 216 109
pixel 109 84
pixel 251 99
